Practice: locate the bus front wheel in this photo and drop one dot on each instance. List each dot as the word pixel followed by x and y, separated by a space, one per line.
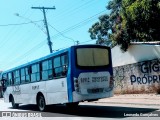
pixel 41 103
pixel 14 105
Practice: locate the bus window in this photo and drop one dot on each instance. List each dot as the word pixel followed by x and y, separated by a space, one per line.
pixel 92 57
pixel 27 76
pixel 64 59
pixel 44 70
pixel 35 75
pixel 47 71
pixel 10 78
pixel 50 69
pixel 57 67
pixel 4 76
pixel 22 75
pixel 16 76
pixel 5 80
pixel 61 65
pixel 57 62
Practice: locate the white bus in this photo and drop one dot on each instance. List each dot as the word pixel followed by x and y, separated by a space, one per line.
pixel 69 76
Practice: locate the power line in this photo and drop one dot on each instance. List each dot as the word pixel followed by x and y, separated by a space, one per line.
pixel 25 33
pixel 62 34
pixel 72 10
pixel 15 24
pixel 71 27
pixel 32 22
pixel 21 57
pixel 80 24
pixel 86 41
pixel 7 38
pixel 13 30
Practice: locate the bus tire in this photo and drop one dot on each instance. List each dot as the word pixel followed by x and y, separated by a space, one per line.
pixel 41 103
pixel 14 105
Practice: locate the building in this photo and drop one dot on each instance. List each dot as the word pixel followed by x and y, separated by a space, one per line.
pixel 138 69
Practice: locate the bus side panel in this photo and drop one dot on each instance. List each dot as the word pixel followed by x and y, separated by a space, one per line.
pixel 14 91
pixel 36 88
pixel 7 93
pixel 26 94
pixel 56 91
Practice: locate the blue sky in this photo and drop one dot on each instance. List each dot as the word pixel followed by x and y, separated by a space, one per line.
pixel 69 22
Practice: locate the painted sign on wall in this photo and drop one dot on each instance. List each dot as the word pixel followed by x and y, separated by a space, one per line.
pixel 137 77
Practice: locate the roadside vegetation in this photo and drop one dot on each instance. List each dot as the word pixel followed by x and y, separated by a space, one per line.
pixel 128 21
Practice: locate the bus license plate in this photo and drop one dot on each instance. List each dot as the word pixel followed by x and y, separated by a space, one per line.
pixel 97 90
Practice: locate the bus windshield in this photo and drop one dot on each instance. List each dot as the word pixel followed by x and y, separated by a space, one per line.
pixel 92 57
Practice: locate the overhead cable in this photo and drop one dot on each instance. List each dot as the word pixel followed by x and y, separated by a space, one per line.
pixel 20 23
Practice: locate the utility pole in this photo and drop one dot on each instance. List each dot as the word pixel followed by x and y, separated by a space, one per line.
pixel 45 22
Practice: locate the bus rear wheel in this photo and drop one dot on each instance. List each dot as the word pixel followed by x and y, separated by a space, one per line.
pixel 14 105
pixel 41 103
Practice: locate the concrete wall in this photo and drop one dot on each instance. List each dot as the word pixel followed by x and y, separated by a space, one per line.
pixel 137 70
pixel 141 77
pixel 135 53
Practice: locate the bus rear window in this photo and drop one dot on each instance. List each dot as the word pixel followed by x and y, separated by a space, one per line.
pixel 92 57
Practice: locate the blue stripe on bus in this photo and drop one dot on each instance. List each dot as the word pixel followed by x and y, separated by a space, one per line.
pixel 69 77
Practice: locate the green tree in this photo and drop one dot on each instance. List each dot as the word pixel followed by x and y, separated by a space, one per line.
pixel 99 30
pixel 133 20
pixel 141 19
pixel 115 21
pixel 111 23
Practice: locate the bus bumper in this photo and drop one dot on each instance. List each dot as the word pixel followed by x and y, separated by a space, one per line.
pixel 91 97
